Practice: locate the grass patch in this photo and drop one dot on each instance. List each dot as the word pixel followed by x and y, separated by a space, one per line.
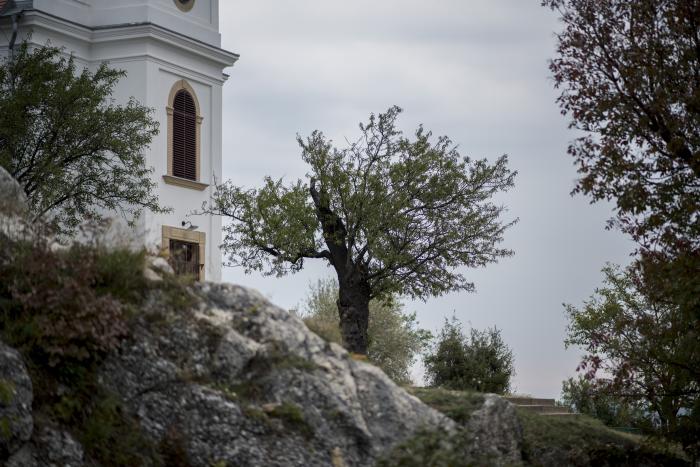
pixel 570 440
pixel 458 405
pixel 293 418
pixel 7 391
pixel 5 429
pixel 433 448
pixel 114 438
pixel 582 437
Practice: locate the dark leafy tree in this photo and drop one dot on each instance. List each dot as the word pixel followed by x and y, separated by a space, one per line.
pixel 479 361
pixel 392 216
pixel 75 152
pixel 630 79
pixel 634 348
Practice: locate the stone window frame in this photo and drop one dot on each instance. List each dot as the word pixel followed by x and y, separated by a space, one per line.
pixel 183 85
pixel 184 235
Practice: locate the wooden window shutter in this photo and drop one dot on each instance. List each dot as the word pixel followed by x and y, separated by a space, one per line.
pixel 184 136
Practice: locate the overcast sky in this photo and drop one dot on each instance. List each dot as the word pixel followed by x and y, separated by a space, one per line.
pixel 473 70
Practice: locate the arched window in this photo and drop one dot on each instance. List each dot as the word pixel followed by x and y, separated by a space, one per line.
pixel 184 141
pixel 184 136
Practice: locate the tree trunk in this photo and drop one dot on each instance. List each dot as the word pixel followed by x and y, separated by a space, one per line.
pixel 353 310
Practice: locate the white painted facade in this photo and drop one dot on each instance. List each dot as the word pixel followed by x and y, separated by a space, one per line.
pixel 158 45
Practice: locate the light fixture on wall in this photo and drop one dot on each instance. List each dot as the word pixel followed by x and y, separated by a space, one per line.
pixel 189 225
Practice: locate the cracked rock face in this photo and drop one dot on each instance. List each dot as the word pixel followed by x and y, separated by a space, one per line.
pixel 16 422
pixel 243 382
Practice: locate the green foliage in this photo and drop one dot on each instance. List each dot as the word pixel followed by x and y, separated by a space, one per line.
pixel 480 361
pixel 392 215
pixel 640 344
pixel 583 396
pixel 7 391
pixel 394 339
pixel 411 211
pixel 628 73
pixel 65 310
pixel 73 150
pixel 5 428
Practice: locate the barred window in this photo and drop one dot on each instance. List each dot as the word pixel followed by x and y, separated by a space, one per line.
pixel 184 136
pixel 184 258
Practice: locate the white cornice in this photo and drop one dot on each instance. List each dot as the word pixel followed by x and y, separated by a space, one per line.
pixel 115 33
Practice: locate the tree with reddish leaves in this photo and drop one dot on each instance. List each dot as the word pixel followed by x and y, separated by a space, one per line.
pixel 629 74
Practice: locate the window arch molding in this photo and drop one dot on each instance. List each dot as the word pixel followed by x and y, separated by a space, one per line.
pixel 183 85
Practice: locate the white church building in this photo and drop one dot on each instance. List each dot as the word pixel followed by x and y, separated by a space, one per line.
pixel 171 51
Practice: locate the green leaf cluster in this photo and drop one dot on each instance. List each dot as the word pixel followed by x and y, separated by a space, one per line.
pixel 74 151
pixel 404 212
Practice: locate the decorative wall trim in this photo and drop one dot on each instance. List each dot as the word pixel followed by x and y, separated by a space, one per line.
pixel 185 183
pixel 36 18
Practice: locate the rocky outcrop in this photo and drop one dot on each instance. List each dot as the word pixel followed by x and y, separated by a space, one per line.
pixel 215 375
pixel 496 432
pixel 243 382
pixel 49 447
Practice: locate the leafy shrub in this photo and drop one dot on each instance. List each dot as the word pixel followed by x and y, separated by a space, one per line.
pixel 480 361
pixel 58 306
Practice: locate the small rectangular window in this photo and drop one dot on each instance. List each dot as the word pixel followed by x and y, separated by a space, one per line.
pixel 184 258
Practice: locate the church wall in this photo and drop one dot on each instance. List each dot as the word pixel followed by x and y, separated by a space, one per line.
pixel 154 61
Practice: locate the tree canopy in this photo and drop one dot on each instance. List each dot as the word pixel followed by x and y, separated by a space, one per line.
pixel 74 151
pixel 391 215
pixel 628 72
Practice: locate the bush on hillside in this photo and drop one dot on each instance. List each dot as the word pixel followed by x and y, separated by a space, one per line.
pixel 69 305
